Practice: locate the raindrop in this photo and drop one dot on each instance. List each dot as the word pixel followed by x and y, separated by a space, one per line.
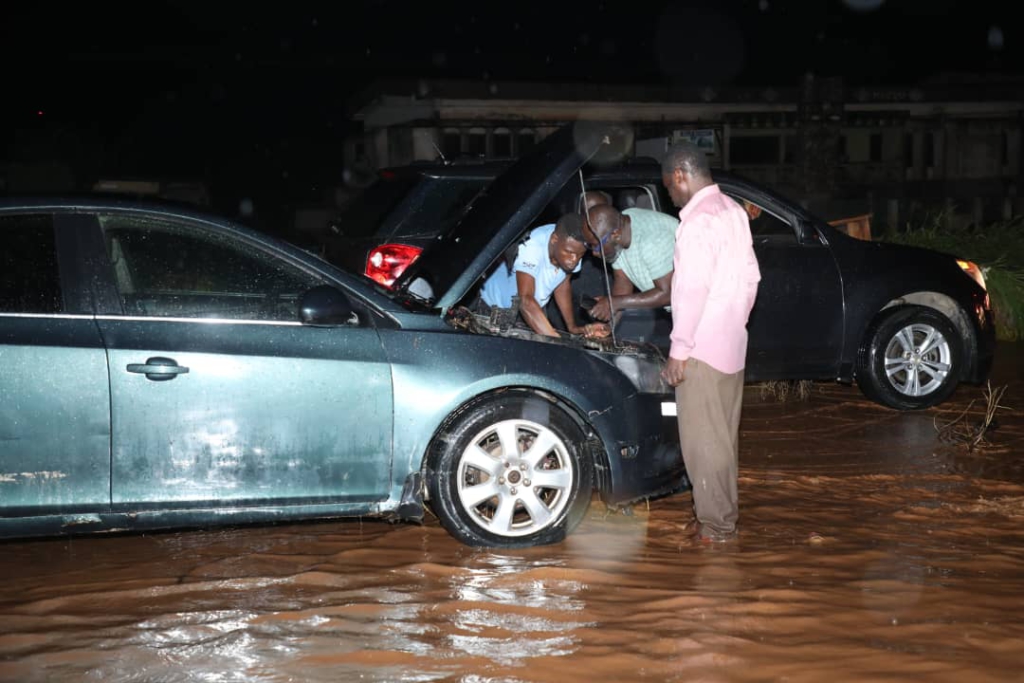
pixel 493 88
pixel 439 59
pixel 315 22
pixel 995 38
pixel 245 207
pixel 585 39
pixel 763 5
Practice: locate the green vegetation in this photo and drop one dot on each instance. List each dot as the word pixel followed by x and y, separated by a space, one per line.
pixel 997 248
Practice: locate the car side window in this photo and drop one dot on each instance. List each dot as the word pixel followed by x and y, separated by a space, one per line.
pixel 29 278
pixel 167 269
pixel 765 224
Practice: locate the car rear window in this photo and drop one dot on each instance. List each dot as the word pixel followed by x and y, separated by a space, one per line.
pixel 365 214
pixel 29 280
pixel 409 206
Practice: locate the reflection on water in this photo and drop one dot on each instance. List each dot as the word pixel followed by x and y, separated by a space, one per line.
pixel 868 551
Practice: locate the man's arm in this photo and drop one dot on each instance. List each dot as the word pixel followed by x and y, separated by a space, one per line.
pixel 563 299
pixel 624 295
pixel 660 295
pixel 532 311
pixel 621 286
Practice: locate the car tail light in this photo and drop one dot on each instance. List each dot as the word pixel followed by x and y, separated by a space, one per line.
pixel 386 262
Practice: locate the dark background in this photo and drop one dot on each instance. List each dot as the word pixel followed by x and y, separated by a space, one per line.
pixel 254 101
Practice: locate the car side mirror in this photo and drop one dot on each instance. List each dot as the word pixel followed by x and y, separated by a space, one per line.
pixel 326 306
pixel 808 235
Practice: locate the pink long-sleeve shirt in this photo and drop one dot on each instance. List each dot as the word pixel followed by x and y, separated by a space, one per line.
pixel 714 283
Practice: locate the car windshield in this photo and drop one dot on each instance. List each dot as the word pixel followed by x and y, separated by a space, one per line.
pixel 366 213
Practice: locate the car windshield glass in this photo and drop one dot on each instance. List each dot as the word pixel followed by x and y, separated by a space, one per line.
pixel 365 214
pixel 432 208
pixel 406 206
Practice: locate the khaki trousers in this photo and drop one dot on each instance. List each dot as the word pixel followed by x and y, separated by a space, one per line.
pixel 708 405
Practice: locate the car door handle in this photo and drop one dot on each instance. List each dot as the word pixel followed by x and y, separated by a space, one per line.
pixel 158 369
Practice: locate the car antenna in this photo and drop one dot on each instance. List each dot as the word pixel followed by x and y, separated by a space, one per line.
pixel 604 264
pixel 440 153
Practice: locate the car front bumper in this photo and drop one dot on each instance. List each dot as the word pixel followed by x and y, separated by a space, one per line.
pixel 646 462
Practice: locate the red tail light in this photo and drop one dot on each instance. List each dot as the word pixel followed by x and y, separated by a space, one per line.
pixel 386 262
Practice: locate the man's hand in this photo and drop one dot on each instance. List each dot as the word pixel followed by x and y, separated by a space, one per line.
pixel 674 371
pixel 601 310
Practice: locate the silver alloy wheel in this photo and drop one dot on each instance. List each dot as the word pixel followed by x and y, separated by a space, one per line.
pixel 917 360
pixel 515 478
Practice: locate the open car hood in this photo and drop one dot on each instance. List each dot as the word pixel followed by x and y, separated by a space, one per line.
pixel 453 263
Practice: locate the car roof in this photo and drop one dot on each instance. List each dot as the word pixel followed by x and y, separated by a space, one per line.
pixel 645 167
pixel 475 168
pixel 105 202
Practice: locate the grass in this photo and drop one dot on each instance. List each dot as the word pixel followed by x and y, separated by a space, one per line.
pixel 782 390
pixel 997 248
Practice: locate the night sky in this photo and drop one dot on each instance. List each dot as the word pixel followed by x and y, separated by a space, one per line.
pixel 259 95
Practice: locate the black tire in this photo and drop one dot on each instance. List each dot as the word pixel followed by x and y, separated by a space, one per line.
pixel 892 371
pixel 469 460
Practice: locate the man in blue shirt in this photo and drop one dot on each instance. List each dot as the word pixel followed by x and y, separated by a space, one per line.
pixel 541 271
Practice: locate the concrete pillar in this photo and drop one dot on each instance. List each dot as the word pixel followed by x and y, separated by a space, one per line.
pixel 893 213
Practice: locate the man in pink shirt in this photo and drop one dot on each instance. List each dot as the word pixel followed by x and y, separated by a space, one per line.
pixel 713 289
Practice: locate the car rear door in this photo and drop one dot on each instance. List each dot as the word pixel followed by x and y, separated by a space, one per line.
pixel 54 392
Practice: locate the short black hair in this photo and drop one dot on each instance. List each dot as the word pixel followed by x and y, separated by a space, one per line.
pixel 597 195
pixel 688 158
pixel 570 225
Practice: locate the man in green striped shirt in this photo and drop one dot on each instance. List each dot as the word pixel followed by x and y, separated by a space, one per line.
pixel 639 245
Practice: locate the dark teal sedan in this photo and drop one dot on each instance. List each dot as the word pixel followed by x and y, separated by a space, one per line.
pixel 167 369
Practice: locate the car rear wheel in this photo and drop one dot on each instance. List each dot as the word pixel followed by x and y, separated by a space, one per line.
pixel 912 359
pixel 510 471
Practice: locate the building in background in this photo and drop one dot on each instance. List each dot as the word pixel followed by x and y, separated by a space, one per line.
pixel 951 143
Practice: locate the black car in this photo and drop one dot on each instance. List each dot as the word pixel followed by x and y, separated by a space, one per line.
pixel 907 324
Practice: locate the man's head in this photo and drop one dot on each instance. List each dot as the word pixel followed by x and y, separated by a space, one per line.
pixel 595 198
pixel 566 246
pixel 604 231
pixel 684 172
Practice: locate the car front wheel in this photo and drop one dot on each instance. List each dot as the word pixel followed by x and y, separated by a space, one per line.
pixel 510 471
pixel 912 359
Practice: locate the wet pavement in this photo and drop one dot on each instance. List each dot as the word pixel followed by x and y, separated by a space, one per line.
pixel 869 550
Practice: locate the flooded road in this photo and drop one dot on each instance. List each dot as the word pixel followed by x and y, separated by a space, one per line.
pixel 869 550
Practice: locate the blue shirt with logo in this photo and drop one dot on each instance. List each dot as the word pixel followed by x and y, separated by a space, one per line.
pixel 532 259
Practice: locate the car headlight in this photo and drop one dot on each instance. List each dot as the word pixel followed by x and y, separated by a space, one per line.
pixel 643 373
pixel 973 271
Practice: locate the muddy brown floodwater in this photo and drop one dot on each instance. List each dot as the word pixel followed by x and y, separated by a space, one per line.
pixel 869 551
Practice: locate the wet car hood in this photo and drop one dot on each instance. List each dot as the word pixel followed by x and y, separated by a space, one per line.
pixel 455 261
